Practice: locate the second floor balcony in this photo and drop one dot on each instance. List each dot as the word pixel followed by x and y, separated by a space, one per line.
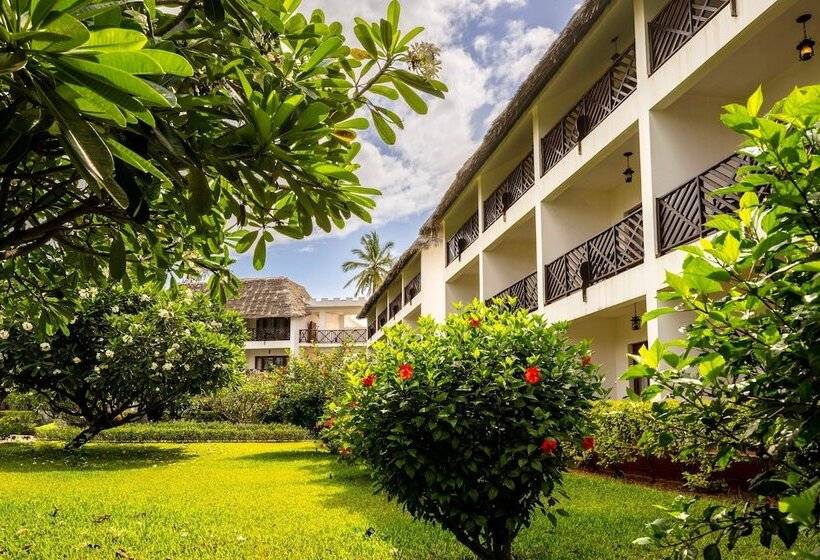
pixel 333 336
pixel 675 24
pixel 525 292
pixel 518 182
pixel 412 288
pixel 463 238
pixel 266 334
pixel 608 253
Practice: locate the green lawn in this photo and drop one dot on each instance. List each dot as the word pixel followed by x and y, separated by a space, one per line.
pixel 278 501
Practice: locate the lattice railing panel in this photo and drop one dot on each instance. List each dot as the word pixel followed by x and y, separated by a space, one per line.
pixel 682 213
pixel 509 191
pixel 395 306
pixel 608 253
pixel 675 24
pixel 525 292
pixel 412 288
pixel 605 95
pixel 334 336
pixel 463 238
pixel 382 319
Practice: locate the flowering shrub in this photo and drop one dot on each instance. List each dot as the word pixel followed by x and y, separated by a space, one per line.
pixel 250 400
pixel 470 424
pixel 124 356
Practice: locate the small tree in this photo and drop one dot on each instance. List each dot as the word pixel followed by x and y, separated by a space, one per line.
pixel 470 424
pixel 749 370
pixel 124 356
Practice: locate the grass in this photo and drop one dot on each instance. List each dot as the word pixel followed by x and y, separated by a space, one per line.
pixel 257 500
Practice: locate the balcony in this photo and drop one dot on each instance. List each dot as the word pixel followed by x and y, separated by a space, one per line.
pixel 462 239
pixel 509 191
pixel 597 104
pixel 682 214
pixel 268 334
pixel 395 306
pixel 608 253
pixel 371 330
pixel 333 336
pixel 675 24
pixel 412 288
pixel 525 291
pixel 381 320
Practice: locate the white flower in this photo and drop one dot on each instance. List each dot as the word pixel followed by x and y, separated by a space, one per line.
pixel 115 309
pixel 96 369
pixel 153 365
pixel 76 359
pixel 4 334
pixel 45 346
pixel 27 326
pixel 175 346
pixel 167 366
pixel 156 354
pixel 779 347
pixel 187 332
pixel 145 298
pixel 109 353
pixel 187 367
pixel 164 313
pixel 128 339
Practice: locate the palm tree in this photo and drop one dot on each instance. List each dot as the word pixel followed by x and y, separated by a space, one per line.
pixel 373 261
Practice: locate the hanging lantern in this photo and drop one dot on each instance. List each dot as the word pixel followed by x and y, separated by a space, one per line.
pixel 805 48
pixel 635 321
pixel 628 172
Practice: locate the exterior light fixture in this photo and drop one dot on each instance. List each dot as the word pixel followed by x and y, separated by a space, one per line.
pixel 805 48
pixel 635 321
pixel 628 172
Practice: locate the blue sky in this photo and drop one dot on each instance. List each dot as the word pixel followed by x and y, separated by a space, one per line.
pixel 488 48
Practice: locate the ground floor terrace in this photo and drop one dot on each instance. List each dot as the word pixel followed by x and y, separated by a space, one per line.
pixel 262 500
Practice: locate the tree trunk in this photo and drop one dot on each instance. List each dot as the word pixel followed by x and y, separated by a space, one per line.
pixel 82 438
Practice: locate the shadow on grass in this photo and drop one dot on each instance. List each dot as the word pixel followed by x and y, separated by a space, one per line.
pixel 286 456
pixel 49 457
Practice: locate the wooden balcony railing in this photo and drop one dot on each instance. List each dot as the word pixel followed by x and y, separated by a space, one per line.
pixel 371 330
pixel 395 306
pixel 511 189
pixel 382 318
pixel 525 291
pixel 610 252
pixel 603 98
pixel 463 238
pixel 412 288
pixel 675 24
pixel 333 336
pixel 270 334
pixel 682 214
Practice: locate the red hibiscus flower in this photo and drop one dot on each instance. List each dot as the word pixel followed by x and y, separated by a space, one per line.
pixel 588 443
pixel 406 372
pixel 586 360
pixel 329 423
pixel 532 375
pixel 475 322
pixel 344 451
pixel 549 445
pixel 368 380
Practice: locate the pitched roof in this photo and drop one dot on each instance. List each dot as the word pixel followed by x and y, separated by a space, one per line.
pixel 555 56
pixel 268 297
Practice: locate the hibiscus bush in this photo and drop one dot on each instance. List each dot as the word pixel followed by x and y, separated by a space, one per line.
pixel 470 424
pixel 124 357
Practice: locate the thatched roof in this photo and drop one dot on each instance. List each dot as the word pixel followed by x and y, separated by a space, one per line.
pixel 268 297
pixel 560 50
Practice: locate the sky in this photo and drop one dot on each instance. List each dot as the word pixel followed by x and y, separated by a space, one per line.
pixel 487 48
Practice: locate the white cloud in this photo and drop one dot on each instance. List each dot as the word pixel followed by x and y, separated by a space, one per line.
pixel 413 174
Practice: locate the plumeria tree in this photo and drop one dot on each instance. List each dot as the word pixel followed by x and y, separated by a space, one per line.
pixel 126 355
pixel 748 369
pixel 145 140
pixel 470 424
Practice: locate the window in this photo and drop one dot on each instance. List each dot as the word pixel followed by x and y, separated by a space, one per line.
pixel 264 363
pixel 637 385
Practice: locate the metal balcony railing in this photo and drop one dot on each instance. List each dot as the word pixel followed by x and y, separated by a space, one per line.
pixel 412 289
pixel 332 336
pixel 270 334
pixel 675 24
pixel 608 253
pixel 525 291
pixel 371 330
pixel 509 191
pixel 382 318
pixel 395 306
pixel 463 238
pixel 682 213
pixel 597 104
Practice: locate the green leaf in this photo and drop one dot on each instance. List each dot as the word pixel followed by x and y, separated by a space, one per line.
pixel 711 552
pixel 754 102
pixel 409 36
pixel 64 25
pixel 135 160
pixel 151 8
pixel 200 191
pixel 259 254
pixel 113 39
pixel 358 123
pixel 393 13
pixel 366 39
pixel 711 368
pixel 655 313
pixel 411 97
pixel 386 31
pixel 285 110
pixel 115 78
pixel 136 63
pixel 116 260
pixel 171 63
pixel 386 133
pixel 245 241
pixel 325 48
pixel 12 61
pixel 801 506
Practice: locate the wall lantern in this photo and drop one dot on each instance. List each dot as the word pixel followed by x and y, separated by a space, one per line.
pixel 635 321
pixel 628 172
pixel 805 48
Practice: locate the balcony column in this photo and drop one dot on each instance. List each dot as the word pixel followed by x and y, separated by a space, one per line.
pixel 296 324
pixel 539 208
pixel 641 42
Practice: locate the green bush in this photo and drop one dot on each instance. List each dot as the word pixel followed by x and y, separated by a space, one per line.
pixel 181 432
pixel 249 401
pixel 470 424
pixel 17 422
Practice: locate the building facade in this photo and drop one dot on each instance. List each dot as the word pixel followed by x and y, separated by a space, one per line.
pixel 282 319
pixel 601 166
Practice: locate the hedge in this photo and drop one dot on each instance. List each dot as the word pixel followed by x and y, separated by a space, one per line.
pixel 181 432
pixel 17 422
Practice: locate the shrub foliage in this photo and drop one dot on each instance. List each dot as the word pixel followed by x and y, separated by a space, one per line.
pixel 470 424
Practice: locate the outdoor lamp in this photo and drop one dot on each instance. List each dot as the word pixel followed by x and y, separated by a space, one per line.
pixel 805 48
pixel 635 321
pixel 628 172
